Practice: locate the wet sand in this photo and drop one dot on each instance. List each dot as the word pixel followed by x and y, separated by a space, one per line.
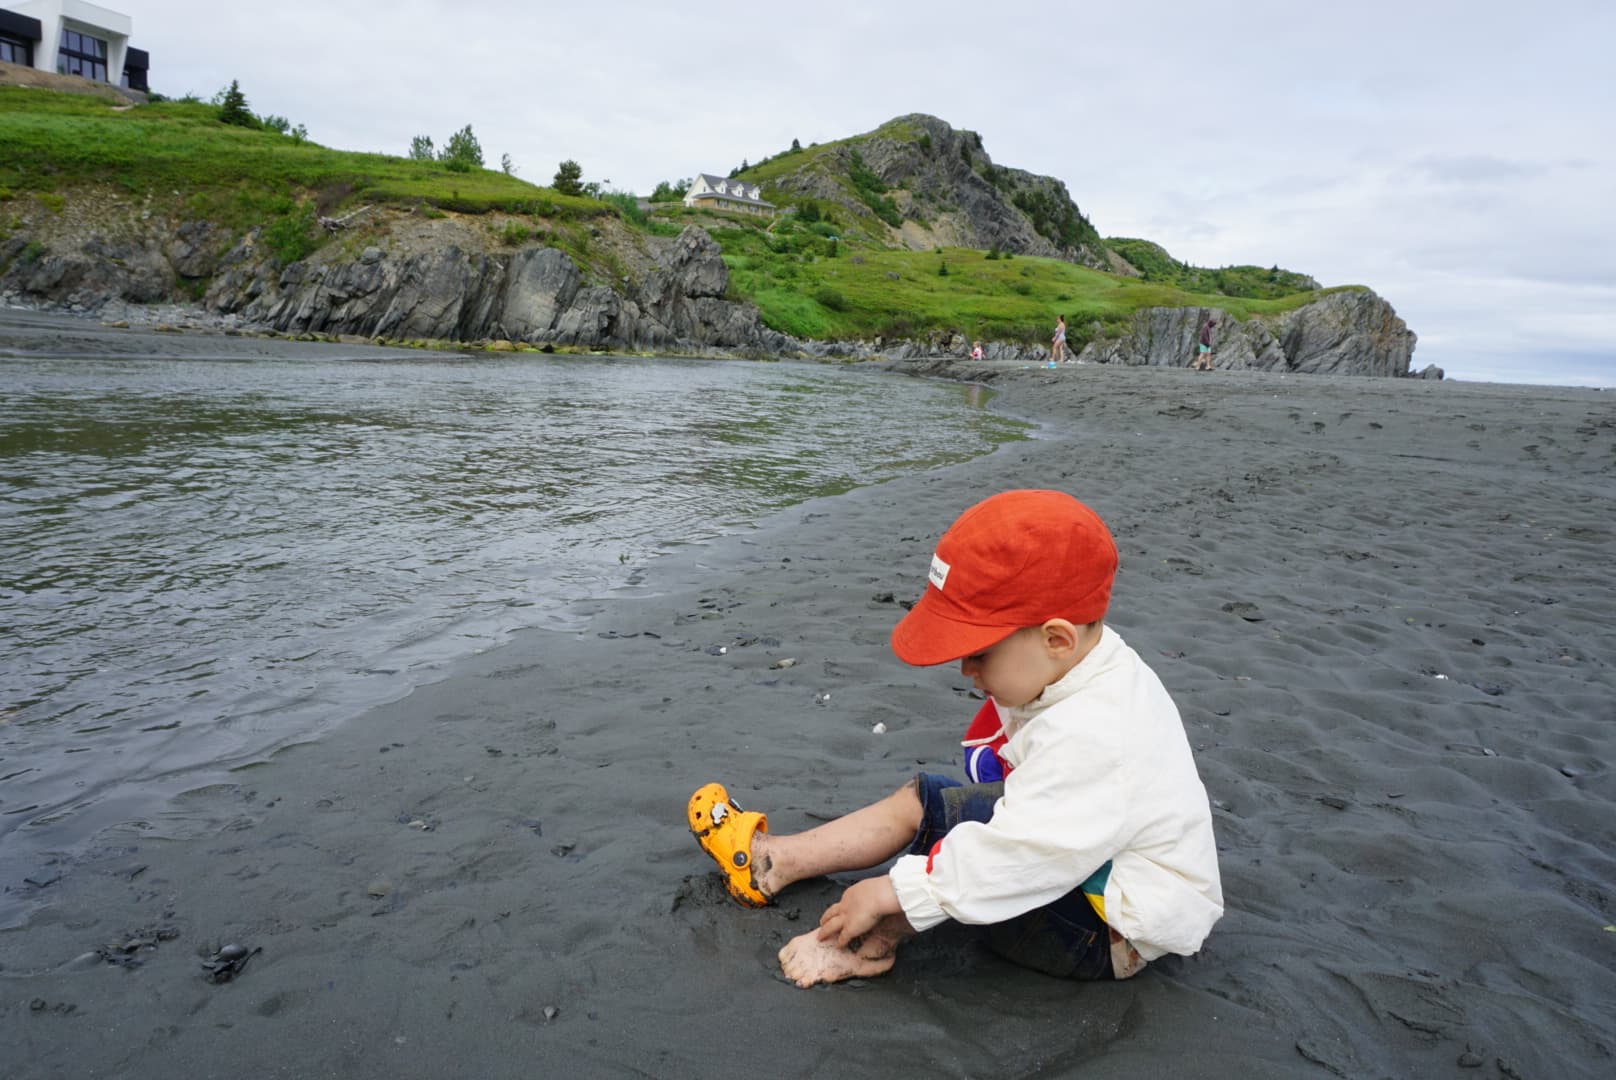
pixel 170 333
pixel 1383 609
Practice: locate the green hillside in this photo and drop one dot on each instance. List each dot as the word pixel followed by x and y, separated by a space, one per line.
pixel 812 272
pixel 55 141
pixel 864 293
pixel 1253 282
pixel 841 164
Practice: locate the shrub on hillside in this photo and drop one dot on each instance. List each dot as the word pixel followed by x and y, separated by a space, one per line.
pixel 282 126
pixel 462 153
pixel 872 189
pixel 666 192
pixel 628 207
pixel 515 234
pixel 831 299
pixel 290 238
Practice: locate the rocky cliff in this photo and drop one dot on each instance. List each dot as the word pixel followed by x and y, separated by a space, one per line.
pixel 946 192
pixel 404 277
pixel 1351 332
pixel 450 278
pixel 536 295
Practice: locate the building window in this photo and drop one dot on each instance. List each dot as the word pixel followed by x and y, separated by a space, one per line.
pixel 83 55
pixel 13 51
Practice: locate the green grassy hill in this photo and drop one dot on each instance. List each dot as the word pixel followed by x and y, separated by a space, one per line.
pixel 235 175
pixel 808 281
pixel 816 271
pixel 1253 282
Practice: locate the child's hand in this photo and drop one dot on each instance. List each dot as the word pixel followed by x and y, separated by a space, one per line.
pixel 861 907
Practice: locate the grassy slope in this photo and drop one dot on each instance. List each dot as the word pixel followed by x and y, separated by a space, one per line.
pixel 56 141
pixel 1156 264
pixel 803 290
pixel 804 282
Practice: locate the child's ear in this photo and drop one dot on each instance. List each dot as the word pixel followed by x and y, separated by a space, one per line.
pixel 1061 637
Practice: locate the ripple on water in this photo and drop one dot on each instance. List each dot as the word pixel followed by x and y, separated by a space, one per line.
pixel 205 560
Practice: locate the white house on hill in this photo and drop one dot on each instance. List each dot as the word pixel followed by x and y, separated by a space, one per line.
pixel 720 193
pixel 72 37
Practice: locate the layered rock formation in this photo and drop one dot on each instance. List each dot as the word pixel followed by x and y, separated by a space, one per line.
pixel 446 280
pixel 456 290
pixel 537 295
pixel 950 193
pixel 1351 332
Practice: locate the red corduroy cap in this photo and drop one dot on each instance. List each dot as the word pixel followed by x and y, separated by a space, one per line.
pixel 1017 559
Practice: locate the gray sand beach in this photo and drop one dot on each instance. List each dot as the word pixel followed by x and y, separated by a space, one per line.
pixel 1383 608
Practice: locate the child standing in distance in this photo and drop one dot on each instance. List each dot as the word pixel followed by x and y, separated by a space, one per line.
pixel 1057 345
pixel 1092 856
pixel 976 351
pixel 1203 350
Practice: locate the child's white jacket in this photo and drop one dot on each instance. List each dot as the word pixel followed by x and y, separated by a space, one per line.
pixel 1102 771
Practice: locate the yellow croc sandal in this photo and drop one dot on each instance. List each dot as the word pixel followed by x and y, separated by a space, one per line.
pixel 725 832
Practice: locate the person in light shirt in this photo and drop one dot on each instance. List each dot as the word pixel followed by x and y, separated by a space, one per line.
pixel 1081 843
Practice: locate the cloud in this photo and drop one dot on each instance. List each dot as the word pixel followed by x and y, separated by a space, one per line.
pixel 1471 169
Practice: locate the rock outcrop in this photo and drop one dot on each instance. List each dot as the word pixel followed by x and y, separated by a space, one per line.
pixel 100 268
pixel 949 193
pixel 445 280
pixel 1346 333
pixel 1351 332
pixel 536 295
pixel 444 285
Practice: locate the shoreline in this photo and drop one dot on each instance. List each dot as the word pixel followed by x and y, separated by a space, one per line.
pixel 58 786
pixel 144 327
pixel 1381 606
pixel 149 329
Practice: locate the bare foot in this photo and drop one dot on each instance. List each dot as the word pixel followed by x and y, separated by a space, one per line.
pixel 806 960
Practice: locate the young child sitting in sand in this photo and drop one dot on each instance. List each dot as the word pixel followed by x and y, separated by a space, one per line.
pixel 1092 856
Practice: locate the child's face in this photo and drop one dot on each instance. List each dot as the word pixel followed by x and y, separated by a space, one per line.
pixel 1016 670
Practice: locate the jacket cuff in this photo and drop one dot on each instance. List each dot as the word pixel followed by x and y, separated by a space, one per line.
pixel 909 882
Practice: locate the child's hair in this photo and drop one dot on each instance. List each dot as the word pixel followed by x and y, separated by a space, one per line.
pixel 1017 559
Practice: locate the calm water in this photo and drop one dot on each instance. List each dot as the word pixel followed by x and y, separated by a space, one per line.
pixel 202 560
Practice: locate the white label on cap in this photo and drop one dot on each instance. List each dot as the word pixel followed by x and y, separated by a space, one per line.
pixel 939 572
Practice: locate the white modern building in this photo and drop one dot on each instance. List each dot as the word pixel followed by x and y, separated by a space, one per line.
pixel 72 37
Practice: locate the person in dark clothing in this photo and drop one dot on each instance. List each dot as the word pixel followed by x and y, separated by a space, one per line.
pixel 1203 351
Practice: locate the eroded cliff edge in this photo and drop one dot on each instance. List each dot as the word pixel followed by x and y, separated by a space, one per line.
pixel 410 277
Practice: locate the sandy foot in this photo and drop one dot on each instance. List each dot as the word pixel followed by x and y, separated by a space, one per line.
pixel 806 960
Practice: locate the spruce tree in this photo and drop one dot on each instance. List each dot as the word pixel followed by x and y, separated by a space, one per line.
pixel 567 178
pixel 233 108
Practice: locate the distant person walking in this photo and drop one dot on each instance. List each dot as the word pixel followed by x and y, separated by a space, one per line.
pixel 1057 349
pixel 1203 351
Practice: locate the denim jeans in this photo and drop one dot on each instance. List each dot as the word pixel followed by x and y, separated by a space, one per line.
pixel 1065 938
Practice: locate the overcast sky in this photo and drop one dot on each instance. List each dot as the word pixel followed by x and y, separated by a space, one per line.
pixel 1458 158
